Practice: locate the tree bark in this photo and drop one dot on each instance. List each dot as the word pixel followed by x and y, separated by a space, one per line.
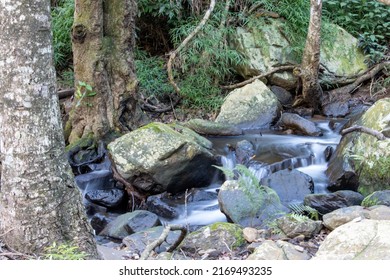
pixel 103 39
pixel 39 202
pixel 311 89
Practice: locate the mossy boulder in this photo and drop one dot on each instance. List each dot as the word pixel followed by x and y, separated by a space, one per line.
pixel 363 154
pixel 252 106
pixel 266 46
pixel 215 236
pixel 160 157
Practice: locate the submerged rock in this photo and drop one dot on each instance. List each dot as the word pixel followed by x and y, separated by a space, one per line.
pixel 357 240
pixel 250 107
pixel 159 157
pixel 328 202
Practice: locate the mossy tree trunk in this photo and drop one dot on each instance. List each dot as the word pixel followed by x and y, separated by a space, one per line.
pixel 311 89
pixel 103 43
pixel 39 201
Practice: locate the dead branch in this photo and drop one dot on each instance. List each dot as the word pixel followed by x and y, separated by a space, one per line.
pixel 65 93
pixel 367 75
pixel 364 129
pixel 281 68
pixel 145 254
pixel 173 54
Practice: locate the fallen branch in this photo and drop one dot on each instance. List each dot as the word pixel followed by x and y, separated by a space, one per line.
pixel 173 54
pixel 364 129
pixel 367 75
pixel 145 254
pixel 65 93
pixel 281 68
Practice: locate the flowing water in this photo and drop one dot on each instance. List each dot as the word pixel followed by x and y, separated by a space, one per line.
pixel 274 151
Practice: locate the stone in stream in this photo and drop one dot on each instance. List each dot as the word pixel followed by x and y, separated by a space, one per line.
pixel 248 205
pixel 112 198
pixel 99 222
pixel 304 126
pixel 159 205
pixel 336 109
pixel 244 151
pixel 205 127
pixel 328 202
pixel 283 95
pixel 159 157
pixel 126 224
pixel 290 185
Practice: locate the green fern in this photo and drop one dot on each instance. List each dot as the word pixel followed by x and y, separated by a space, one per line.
pixel 64 251
pixel 306 210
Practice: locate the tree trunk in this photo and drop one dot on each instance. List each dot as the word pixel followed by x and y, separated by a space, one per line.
pixel 103 43
pixel 311 89
pixel 39 202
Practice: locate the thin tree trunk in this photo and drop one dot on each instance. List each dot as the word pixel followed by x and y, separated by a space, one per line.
pixel 39 202
pixel 311 89
pixel 103 38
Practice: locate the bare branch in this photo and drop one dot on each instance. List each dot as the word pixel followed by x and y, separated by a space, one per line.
pixel 364 129
pixel 145 254
pixel 281 68
pixel 173 54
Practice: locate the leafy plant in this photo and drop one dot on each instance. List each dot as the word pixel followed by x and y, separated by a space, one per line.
pixel 84 90
pixel 64 251
pixel 62 21
pixel 304 210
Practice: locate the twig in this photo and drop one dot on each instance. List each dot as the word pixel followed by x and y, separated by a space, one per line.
pixel 145 254
pixel 364 129
pixel 281 68
pixel 173 54
pixel 4 233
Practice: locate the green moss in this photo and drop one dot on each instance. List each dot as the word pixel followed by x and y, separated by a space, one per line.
pixel 234 229
pixel 84 142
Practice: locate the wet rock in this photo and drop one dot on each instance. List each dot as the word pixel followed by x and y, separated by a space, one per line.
pixel 326 203
pixel 357 240
pixel 159 157
pixel 138 241
pixel 159 205
pixel 205 127
pixel 251 107
pixel 377 198
pixel 112 198
pixel 302 125
pixel 99 222
pixel 244 151
pixel 142 220
pixel 200 195
pixel 96 180
pixel 328 153
pixel 284 96
pixel 278 250
pixel 344 215
pixel 292 226
pixel 214 236
pixel 336 109
pixel 291 185
pixel 125 224
pixel 360 153
pixel 248 205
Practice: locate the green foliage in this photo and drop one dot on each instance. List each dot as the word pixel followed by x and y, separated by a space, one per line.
pixel 305 210
pixel 366 19
pixel 64 251
pixel 62 21
pixel 369 201
pixel 84 90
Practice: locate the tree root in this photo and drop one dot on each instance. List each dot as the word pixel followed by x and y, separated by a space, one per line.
pixel 281 68
pixel 62 94
pixel 145 254
pixel 364 129
pixel 173 54
pixel 365 76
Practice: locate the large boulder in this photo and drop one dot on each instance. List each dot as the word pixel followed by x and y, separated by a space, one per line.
pixel 291 185
pixel 252 106
pixel 160 157
pixel 357 240
pixel 363 154
pixel 327 202
pixel 248 205
pixel 266 47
